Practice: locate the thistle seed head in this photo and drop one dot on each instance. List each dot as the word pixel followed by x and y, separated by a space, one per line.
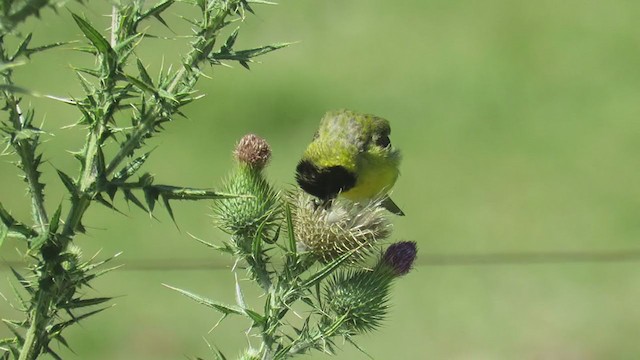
pixel 341 228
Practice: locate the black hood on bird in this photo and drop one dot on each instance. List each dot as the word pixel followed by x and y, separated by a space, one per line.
pixel 324 183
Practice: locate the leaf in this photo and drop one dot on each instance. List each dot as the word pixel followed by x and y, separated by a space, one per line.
pixel 231 40
pixel 157 10
pixel 328 269
pixel 131 167
pixel 99 42
pixel 167 206
pixel 258 320
pixel 37 49
pixel 80 303
pixel 129 196
pixel 15 229
pixel 293 247
pixel 36 243
pixel 186 193
pixel 99 198
pixel 150 196
pixel 24 282
pixel 144 75
pixel 68 182
pixel 225 309
pixel 55 220
pixel 57 328
pixel 22 48
pixel 243 56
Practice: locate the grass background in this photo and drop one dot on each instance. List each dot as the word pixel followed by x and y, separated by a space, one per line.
pixel 520 128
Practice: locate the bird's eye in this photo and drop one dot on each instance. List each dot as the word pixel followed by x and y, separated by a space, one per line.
pixel 315 135
pixel 383 141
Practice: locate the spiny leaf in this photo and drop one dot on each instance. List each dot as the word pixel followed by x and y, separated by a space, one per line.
pixel 57 328
pixel 55 220
pixel 37 49
pixel 328 269
pixel 293 246
pixel 36 243
pixel 258 320
pixel 23 46
pixel 14 228
pixel 24 282
pixel 157 10
pixel 167 206
pixel 129 196
pixel 99 198
pixel 12 327
pixel 231 40
pixel 223 308
pixel 68 182
pixel 52 353
pixel 80 303
pixel 131 167
pixel 243 56
pixel 99 42
pixel 144 75
pixel 186 193
pixel 150 196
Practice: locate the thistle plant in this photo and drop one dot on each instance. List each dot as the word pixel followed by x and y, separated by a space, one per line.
pixel 327 260
pixel 123 104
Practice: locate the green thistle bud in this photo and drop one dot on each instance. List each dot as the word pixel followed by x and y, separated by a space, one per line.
pixel 358 299
pixel 343 227
pixel 258 205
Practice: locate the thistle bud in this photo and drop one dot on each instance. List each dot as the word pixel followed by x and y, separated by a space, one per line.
pixel 358 299
pixel 400 256
pixel 253 151
pixel 257 205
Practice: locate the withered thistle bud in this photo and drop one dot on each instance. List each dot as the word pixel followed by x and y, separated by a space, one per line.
pixel 253 151
pixel 400 257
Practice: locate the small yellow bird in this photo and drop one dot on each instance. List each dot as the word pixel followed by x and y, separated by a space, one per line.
pixel 350 155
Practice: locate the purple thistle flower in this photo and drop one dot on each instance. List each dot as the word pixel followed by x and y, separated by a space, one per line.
pixel 400 256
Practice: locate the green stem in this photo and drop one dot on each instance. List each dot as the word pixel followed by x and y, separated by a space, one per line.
pixel 38 320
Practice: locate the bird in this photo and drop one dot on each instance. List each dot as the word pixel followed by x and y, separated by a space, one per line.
pixel 351 156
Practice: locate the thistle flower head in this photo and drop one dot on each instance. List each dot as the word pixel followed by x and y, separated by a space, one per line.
pixel 400 256
pixel 257 205
pixel 253 151
pixel 343 227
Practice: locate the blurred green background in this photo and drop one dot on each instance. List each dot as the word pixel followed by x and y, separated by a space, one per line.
pixel 520 128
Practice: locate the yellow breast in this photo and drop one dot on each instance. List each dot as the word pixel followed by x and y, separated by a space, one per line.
pixel 376 175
